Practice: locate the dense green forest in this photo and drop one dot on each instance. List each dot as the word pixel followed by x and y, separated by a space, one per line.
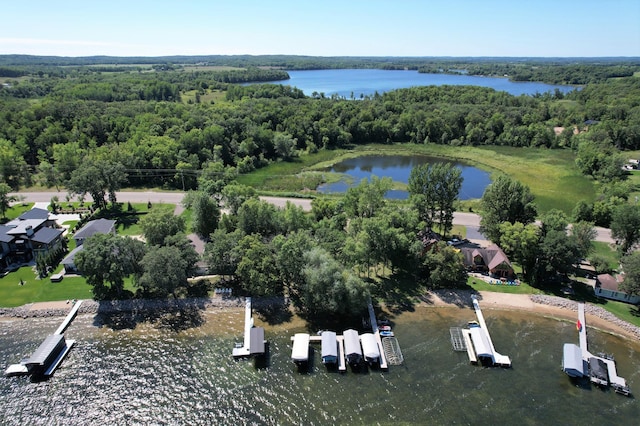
pixel 97 127
pixel 162 122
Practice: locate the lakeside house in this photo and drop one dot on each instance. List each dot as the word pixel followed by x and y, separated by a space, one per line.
pixel 490 260
pixel 608 286
pixel 31 234
pixel 98 226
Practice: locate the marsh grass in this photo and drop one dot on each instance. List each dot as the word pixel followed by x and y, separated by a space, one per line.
pixel 550 174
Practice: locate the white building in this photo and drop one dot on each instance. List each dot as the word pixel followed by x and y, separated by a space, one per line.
pixel 607 286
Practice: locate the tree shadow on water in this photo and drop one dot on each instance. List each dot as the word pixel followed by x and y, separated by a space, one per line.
pixel 272 310
pixel 173 315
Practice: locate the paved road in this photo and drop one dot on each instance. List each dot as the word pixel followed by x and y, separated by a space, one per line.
pixel 470 220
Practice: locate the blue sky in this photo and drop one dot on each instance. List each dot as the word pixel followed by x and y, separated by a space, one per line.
pixel 322 27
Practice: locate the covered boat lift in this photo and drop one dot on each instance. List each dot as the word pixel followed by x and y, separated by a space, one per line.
pixel 482 344
pixel 300 350
pixel 572 363
pixel 352 348
pixel 601 370
pixel 329 347
pixel 370 348
pixel 254 343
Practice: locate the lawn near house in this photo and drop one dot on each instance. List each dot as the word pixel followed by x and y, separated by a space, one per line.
pixel 34 289
pixel 39 290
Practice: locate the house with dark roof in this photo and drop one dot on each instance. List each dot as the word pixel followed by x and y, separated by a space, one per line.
pixel 99 226
pixel 608 286
pixel 29 235
pixel 490 260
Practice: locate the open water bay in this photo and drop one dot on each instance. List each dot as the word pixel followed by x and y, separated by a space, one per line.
pixel 154 375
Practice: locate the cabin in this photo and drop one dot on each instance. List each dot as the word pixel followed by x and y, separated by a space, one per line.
pixel 608 286
pixel 99 226
pixel 490 260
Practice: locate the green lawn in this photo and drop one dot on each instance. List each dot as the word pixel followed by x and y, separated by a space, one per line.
pixel 39 290
pixel 603 249
pixel 481 285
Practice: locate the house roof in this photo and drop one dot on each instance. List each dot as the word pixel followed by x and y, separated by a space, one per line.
pixel 609 282
pixel 99 226
pixel 35 213
pixel 497 257
pixel 5 237
pixel 46 235
pixel 20 226
pixel 70 259
pixel 493 256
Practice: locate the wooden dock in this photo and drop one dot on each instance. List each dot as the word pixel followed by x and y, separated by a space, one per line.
pixel 69 318
pixel 376 334
pixel 618 383
pixel 342 362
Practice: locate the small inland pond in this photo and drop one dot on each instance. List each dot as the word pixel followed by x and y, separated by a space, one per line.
pixel 398 168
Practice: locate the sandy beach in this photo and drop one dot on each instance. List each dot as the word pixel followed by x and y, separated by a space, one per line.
pixel 553 307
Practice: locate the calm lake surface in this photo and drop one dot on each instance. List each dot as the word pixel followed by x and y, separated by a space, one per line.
pixel 357 83
pixel 398 168
pixel 150 375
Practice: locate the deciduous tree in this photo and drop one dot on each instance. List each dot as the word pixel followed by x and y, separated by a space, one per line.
pixel 433 189
pixel 205 214
pixel 631 267
pixel 505 200
pixel 106 260
pixel 625 227
pixel 161 223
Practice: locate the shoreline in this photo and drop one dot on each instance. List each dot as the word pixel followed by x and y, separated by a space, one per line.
pixel 549 306
pixel 543 305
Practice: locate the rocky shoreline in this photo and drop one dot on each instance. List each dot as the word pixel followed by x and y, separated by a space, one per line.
pixel 168 305
pixel 589 309
pixel 119 306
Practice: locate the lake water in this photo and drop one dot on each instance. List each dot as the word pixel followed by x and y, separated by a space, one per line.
pixel 357 83
pixel 398 168
pixel 154 375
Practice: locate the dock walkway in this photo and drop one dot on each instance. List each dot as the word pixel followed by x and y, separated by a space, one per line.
pixel 618 383
pixel 70 316
pixel 376 334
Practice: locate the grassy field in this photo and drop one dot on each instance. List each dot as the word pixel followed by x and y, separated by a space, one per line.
pixel 551 174
pixel 604 250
